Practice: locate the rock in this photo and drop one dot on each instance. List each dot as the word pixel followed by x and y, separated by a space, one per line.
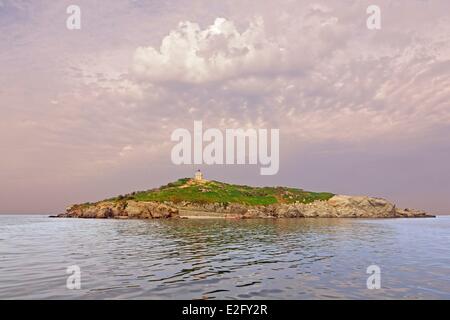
pixel 411 213
pixel 338 206
pixel 358 207
pixel 127 209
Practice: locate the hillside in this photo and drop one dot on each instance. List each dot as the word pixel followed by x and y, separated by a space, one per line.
pixel 192 198
pixel 187 189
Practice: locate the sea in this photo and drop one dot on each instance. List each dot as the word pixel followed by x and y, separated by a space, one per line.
pixel 48 258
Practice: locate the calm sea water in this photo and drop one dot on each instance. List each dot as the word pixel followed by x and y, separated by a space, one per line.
pixel 216 259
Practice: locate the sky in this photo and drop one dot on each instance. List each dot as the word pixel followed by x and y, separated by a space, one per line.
pixel 88 114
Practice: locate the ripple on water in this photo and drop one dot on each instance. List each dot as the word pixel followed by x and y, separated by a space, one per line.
pixel 209 259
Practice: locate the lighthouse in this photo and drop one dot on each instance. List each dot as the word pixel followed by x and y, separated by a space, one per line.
pixel 198 176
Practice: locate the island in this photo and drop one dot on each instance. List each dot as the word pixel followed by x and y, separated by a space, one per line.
pixel 200 198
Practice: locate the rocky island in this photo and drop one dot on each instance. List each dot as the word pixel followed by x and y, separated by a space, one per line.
pixel 199 198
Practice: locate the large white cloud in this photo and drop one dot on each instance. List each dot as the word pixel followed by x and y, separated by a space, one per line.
pixel 220 51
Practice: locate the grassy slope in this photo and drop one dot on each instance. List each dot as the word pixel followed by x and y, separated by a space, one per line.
pixel 213 191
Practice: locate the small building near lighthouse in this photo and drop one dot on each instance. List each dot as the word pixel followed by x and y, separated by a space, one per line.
pixel 198 176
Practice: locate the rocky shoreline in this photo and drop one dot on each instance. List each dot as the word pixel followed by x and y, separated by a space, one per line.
pixel 339 206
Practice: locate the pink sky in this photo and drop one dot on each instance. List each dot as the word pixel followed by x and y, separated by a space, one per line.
pixel 88 114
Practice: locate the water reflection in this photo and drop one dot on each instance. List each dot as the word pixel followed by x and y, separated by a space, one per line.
pixel 207 259
pixel 254 250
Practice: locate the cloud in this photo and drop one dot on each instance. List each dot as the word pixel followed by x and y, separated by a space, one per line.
pixel 221 52
pixel 126 150
pixel 319 75
pixel 190 54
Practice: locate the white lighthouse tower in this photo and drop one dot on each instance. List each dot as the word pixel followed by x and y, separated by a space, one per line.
pixel 198 176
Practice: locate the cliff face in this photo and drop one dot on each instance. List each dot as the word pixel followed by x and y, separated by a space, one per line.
pixel 336 207
pixel 121 210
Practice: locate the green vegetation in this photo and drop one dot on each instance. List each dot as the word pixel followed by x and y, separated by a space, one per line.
pixel 213 191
